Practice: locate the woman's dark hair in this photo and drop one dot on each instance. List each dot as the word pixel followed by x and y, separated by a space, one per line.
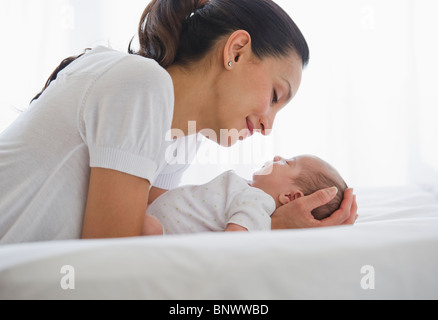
pixel 64 63
pixel 184 31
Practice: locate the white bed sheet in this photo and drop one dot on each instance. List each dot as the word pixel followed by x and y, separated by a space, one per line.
pixel 396 234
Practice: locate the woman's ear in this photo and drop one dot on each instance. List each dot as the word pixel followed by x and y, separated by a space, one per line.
pixel 285 198
pixel 238 44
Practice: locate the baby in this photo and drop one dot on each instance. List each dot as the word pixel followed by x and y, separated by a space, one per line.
pixel 230 203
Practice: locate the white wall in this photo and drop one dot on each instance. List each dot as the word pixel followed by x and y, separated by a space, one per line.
pixel 368 102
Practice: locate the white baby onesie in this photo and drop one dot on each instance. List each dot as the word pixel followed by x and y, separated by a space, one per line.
pixel 212 206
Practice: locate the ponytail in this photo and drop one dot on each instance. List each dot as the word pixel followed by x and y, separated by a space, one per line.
pixel 160 28
pixel 159 33
pixel 183 31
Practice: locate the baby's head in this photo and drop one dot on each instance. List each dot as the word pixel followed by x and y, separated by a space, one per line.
pixel 288 179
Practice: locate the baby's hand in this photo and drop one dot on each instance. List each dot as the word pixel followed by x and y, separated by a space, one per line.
pixel 234 227
pixel 152 226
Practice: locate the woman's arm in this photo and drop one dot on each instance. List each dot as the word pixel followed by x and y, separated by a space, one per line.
pixel 154 193
pixel 116 204
pixel 297 213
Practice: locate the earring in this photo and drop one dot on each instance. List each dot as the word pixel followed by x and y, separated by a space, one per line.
pixel 230 64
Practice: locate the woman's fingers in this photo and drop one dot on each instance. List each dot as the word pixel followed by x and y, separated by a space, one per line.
pixel 345 212
pixel 320 198
pixel 297 214
pixel 353 213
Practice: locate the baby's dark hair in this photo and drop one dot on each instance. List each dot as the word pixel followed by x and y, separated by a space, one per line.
pixel 321 176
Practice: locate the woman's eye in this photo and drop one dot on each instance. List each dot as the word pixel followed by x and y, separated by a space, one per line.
pixel 274 97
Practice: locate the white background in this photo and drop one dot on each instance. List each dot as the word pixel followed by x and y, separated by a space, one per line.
pixel 368 101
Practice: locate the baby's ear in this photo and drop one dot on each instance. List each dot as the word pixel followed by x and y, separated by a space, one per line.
pixel 285 198
pixel 297 194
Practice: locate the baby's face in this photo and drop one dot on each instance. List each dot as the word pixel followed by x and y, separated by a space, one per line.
pixel 277 167
pixel 277 176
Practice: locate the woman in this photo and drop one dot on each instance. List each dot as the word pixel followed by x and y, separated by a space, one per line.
pixel 89 154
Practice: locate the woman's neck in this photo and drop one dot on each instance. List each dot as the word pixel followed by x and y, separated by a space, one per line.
pixel 193 99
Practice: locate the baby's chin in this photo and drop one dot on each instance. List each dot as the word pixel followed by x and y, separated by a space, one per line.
pixel 258 180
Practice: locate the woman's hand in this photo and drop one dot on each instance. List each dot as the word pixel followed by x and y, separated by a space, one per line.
pixel 297 214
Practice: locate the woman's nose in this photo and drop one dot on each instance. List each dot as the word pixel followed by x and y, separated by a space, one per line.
pixel 267 122
pixel 265 126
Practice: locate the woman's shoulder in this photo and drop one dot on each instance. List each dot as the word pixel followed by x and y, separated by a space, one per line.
pixel 126 78
pixel 125 66
pixel 119 68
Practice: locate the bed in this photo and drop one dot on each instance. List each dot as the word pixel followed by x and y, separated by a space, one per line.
pixel 391 253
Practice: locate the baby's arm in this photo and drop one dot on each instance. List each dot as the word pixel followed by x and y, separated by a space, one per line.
pixel 234 227
pixel 250 210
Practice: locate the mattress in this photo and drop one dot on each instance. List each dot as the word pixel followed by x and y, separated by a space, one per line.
pixel 390 253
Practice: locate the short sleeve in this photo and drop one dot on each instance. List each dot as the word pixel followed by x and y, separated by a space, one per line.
pixel 125 116
pixel 170 177
pixel 252 210
pixel 180 153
